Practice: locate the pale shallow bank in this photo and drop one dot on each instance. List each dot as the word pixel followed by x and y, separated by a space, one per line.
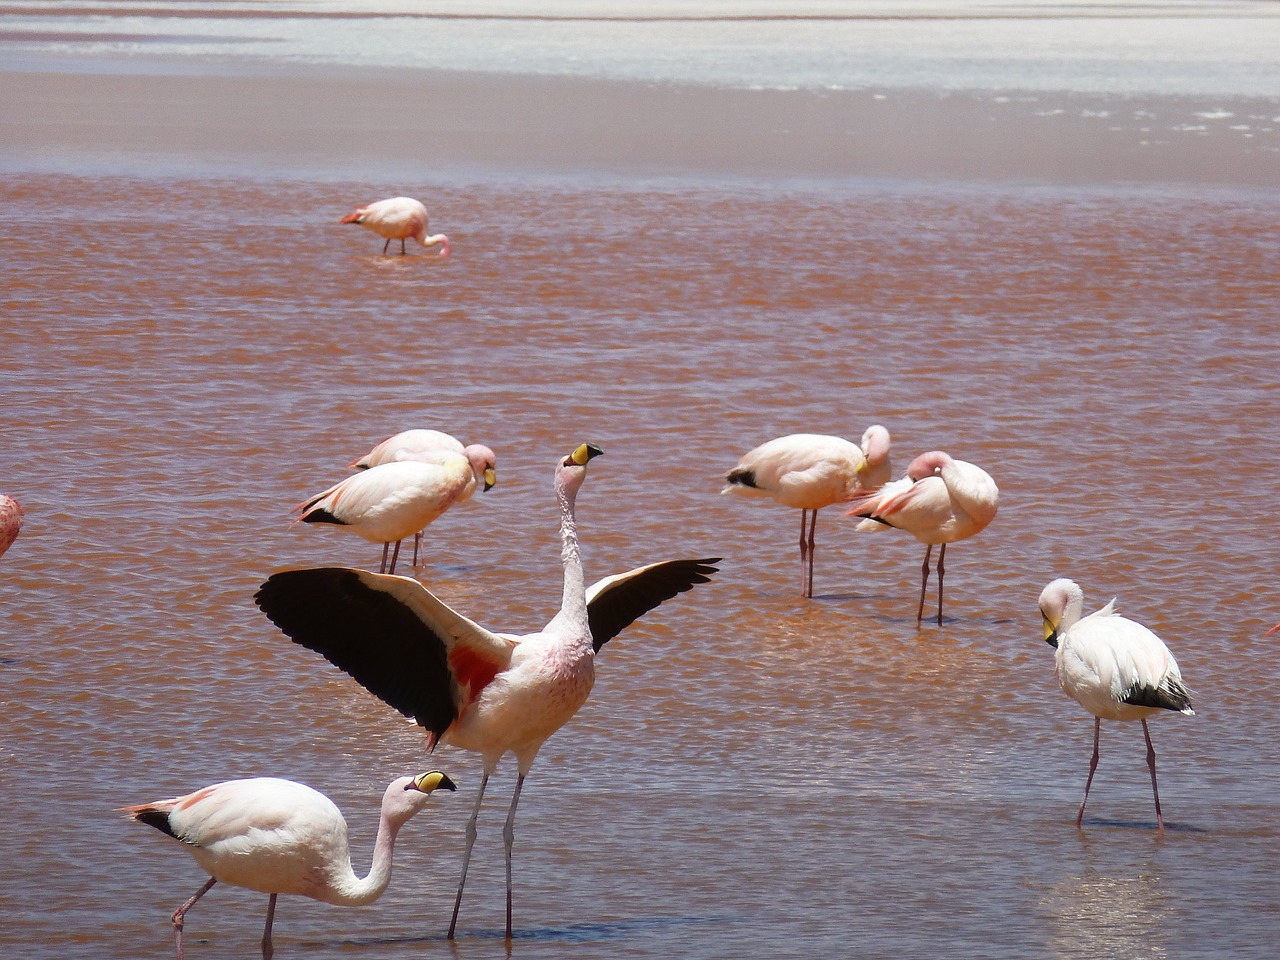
pixel 366 123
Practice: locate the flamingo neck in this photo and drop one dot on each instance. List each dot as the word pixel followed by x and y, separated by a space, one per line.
pixel 573 603
pixel 353 891
pixel 436 238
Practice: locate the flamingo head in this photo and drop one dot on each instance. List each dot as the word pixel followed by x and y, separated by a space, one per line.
pixel 572 470
pixel 875 444
pixel 439 238
pixel 928 465
pixel 408 795
pixel 483 464
pixel 1060 605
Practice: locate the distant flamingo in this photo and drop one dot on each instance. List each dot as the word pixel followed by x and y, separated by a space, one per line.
pixel 940 500
pixel 421 445
pixel 809 471
pixel 387 503
pixel 399 218
pixel 1115 668
pixel 487 692
pixel 10 521
pixel 277 836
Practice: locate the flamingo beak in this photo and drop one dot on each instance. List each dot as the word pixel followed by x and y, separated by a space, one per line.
pixel 433 780
pixel 1050 634
pixel 584 453
pixel 490 478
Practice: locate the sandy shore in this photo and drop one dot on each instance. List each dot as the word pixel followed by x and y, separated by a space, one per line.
pixel 370 124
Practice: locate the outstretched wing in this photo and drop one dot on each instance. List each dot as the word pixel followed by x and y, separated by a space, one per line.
pixel 614 603
pixel 392 635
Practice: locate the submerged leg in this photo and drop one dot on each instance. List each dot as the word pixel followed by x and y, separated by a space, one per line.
pixel 466 855
pixel 508 837
pixel 1093 765
pixel 924 580
pixel 266 931
pixel 181 912
pixel 1151 764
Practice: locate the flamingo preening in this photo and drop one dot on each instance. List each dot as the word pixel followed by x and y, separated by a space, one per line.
pixel 487 692
pixel 1114 667
pixel 940 500
pixel 809 471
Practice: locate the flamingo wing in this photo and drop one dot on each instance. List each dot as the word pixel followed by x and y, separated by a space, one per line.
pixel 616 602
pixel 392 635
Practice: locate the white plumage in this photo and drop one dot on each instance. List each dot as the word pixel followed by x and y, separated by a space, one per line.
pixel 398 218
pixel 278 836
pixel 809 471
pixel 1114 667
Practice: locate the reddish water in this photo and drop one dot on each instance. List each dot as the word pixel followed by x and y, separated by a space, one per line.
pixel 754 774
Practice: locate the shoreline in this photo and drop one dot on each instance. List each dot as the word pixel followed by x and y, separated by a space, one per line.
pixel 368 123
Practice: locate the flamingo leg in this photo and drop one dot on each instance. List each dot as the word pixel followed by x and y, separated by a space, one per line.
pixel 466 855
pixel 942 553
pixel 1151 764
pixel 385 548
pixel 267 949
pixel 402 246
pixel 508 838
pixel 1093 765
pixel 924 580
pixel 395 555
pixel 417 543
pixel 804 553
pixel 181 913
pixel 385 245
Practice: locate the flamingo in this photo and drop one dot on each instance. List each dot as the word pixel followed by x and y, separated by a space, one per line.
pixel 10 521
pixel 387 503
pixel 1114 667
pixel 940 500
pixel 424 444
pixel 486 692
pixel 810 471
pixel 278 836
pixel 398 218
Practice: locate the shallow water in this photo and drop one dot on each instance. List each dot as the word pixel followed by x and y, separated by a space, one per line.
pixel 753 773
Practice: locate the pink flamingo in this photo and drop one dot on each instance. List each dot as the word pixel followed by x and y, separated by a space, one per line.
pixel 398 218
pixel 940 500
pixel 809 471
pixel 1114 667
pixel 424 445
pixel 10 521
pixel 491 693
pixel 277 836
pixel 387 503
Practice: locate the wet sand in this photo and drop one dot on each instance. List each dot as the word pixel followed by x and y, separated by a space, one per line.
pixel 372 124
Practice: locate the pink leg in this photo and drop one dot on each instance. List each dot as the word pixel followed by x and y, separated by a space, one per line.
pixel 942 553
pixel 804 554
pixel 266 933
pixel 1151 764
pixel 181 912
pixel 813 526
pixel 924 579
pixel 395 555
pixel 386 547
pixel 1093 765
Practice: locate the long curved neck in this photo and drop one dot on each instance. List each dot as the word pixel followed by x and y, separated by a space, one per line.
pixel 352 891
pixel 573 603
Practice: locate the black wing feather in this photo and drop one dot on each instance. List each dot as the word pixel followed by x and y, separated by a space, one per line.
pixel 370 635
pixel 621 604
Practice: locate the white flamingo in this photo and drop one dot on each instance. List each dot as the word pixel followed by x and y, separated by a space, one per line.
pixel 277 836
pixel 487 692
pixel 809 471
pixel 398 218
pixel 387 503
pixel 10 521
pixel 1115 668
pixel 425 445
pixel 940 500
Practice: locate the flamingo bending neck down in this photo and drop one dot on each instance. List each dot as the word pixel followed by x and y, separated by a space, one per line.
pixel 810 471
pixel 277 836
pixel 940 500
pixel 398 218
pixel 487 692
pixel 1112 666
